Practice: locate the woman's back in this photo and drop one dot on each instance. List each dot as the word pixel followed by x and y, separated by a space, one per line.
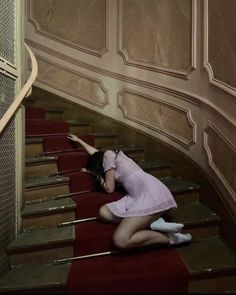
pixel 124 166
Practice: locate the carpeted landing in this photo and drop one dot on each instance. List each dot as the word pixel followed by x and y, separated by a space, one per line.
pixel 156 270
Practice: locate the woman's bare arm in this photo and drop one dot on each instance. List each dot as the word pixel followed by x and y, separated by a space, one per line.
pixel 90 149
pixel 109 182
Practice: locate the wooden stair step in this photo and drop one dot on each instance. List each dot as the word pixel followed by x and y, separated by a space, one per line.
pixel 133 151
pixel 157 168
pixel 33 146
pixel 43 278
pixel 52 113
pixel 41 246
pixel 45 188
pixel 79 126
pixel 40 165
pixel 103 140
pixel 198 219
pixel 211 264
pixel 185 191
pixel 48 213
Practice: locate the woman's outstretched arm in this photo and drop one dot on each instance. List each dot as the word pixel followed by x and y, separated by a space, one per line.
pixel 90 149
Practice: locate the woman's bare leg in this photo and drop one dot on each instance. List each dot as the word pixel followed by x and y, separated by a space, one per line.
pixel 132 232
pixel 106 215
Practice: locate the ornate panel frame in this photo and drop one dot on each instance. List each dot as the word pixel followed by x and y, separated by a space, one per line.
pixel 180 140
pixel 68 43
pixel 210 156
pixel 61 89
pixel 164 70
pixel 220 84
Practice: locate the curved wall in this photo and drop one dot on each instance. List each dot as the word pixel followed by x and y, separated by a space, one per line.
pixel 165 67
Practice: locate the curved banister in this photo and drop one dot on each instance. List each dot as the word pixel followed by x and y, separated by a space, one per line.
pixel 26 90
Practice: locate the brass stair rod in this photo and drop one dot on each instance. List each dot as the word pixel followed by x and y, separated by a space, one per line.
pixel 72 194
pixel 77 221
pixel 67 260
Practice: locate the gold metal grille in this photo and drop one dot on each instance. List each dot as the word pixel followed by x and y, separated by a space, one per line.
pixel 7 30
pixel 7 137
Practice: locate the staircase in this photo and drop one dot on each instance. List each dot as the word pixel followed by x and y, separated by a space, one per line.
pixel 56 192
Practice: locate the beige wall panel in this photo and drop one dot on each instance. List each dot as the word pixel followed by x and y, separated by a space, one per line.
pixel 222 156
pixel 75 22
pixel 222 40
pixel 156 32
pixel 72 83
pixel 173 121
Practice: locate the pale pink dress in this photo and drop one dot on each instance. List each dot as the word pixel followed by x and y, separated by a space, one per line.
pixel 145 193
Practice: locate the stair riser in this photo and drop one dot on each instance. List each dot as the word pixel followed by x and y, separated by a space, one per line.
pixel 42 255
pixel 201 232
pixel 41 169
pixel 33 149
pixel 221 284
pixel 136 156
pixel 102 142
pixel 186 198
pixel 46 193
pixel 53 116
pixel 80 130
pixel 48 220
pixel 159 172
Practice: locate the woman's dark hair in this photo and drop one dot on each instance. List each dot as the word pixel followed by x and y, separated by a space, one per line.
pixel 95 165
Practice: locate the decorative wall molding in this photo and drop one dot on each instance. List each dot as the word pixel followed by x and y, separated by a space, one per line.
pixel 71 82
pixel 180 94
pixel 68 43
pixel 212 80
pixel 228 164
pixel 161 118
pixel 156 68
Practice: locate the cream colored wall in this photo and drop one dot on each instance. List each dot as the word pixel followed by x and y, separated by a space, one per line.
pixel 165 67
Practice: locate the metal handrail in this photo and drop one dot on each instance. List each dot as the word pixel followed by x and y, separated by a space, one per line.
pixel 25 91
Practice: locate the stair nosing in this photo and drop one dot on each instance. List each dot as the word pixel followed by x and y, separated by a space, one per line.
pixel 42 211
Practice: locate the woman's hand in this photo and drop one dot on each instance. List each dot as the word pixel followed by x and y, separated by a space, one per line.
pixel 73 137
pixel 101 180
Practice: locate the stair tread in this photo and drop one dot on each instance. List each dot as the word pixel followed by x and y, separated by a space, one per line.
pixel 40 277
pixel 194 213
pixel 149 164
pixel 44 180
pixel 54 110
pixel 41 237
pixel 78 122
pixel 208 256
pixel 178 185
pixel 125 148
pixel 102 134
pixel 33 140
pixel 48 206
pixel 40 159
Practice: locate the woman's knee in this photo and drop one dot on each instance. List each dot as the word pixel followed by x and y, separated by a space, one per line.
pixel 120 240
pixel 104 213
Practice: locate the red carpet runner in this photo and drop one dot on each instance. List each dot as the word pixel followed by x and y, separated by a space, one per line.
pixel 158 270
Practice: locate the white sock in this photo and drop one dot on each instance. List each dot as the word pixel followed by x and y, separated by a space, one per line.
pixel 178 238
pixel 169 227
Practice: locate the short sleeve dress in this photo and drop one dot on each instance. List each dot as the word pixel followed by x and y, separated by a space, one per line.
pixel 145 193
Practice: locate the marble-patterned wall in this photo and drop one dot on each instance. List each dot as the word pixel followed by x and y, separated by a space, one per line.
pixel 221 154
pixel 158 115
pixel 147 64
pixel 157 33
pixel 77 22
pixel 222 40
pixel 72 82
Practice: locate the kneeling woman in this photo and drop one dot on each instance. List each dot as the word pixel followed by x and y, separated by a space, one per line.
pixel 138 213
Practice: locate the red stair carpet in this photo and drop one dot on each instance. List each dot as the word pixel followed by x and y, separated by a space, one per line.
pixel 149 271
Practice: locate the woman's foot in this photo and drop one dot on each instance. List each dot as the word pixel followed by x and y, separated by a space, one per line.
pixel 178 238
pixel 169 227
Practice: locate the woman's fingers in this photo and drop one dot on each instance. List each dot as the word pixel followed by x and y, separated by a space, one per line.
pixel 72 137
